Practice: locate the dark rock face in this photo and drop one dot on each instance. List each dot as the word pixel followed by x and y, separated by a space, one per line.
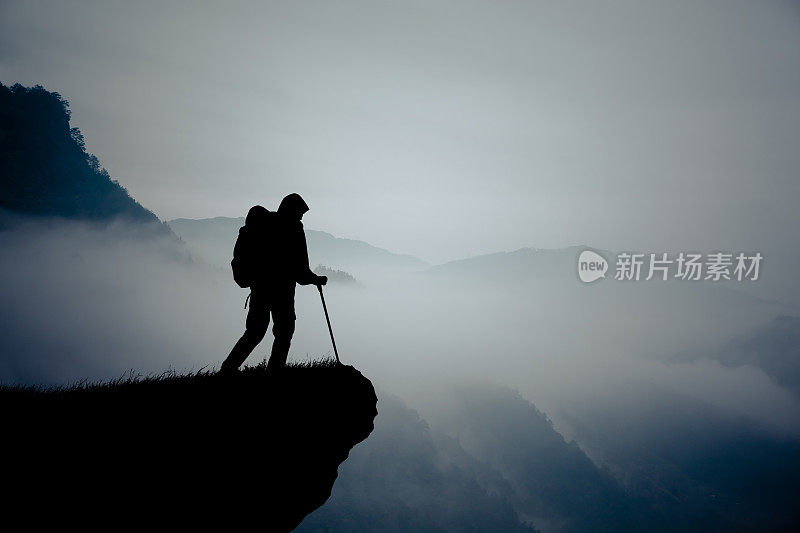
pixel 256 450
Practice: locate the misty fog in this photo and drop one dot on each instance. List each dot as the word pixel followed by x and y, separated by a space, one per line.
pixel 82 301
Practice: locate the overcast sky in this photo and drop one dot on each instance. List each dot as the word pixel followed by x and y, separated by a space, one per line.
pixel 441 129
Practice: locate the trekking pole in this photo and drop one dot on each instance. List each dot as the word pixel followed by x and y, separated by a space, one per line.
pixel 328 320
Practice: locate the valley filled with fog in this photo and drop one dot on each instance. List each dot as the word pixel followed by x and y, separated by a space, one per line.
pixel 643 376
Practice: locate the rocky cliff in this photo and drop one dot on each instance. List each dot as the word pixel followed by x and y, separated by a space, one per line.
pixel 258 450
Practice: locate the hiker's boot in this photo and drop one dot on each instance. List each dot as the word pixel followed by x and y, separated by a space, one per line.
pixel 229 370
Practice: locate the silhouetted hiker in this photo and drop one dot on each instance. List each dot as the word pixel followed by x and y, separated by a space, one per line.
pixel 270 256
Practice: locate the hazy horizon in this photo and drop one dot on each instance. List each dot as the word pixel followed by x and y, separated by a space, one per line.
pixel 443 130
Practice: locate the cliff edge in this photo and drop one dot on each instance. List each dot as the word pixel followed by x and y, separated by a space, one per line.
pixel 259 449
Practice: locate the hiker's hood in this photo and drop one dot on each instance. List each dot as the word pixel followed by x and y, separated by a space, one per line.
pixel 293 206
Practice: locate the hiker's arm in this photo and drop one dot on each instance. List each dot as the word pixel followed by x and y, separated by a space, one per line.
pixel 304 275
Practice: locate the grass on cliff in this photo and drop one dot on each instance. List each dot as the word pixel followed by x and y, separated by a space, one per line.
pixel 199 378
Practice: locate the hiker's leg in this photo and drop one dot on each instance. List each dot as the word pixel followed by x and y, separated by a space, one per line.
pixel 283 318
pixel 255 329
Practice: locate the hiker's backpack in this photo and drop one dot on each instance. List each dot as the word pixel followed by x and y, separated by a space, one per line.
pixel 250 248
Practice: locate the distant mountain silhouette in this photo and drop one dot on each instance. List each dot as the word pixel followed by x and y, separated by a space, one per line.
pixel 405 477
pixel 335 276
pixel 773 347
pixel 488 461
pixel 515 266
pixel 553 483
pixel 258 450
pixel 45 168
pixel 700 467
pixel 212 239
